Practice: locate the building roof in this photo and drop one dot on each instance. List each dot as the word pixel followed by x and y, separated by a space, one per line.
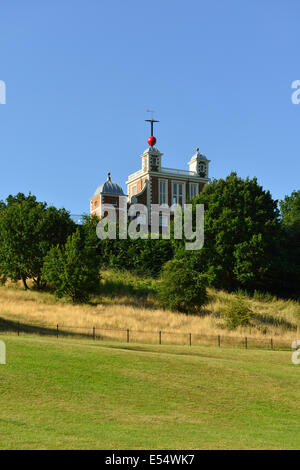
pixel 153 150
pixel 199 155
pixel 109 187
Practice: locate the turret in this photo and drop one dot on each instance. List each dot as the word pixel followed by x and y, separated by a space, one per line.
pixel 199 164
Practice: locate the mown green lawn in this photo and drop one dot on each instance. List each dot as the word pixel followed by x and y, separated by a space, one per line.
pixel 78 394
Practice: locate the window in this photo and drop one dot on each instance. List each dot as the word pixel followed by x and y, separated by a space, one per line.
pixel 177 195
pixel 202 169
pixel 163 192
pixel 193 190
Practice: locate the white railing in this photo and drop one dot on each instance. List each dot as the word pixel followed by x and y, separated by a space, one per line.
pixel 172 171
pixel 178 172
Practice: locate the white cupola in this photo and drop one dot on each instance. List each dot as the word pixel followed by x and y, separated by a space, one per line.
pixel 199 164
pixel 151 159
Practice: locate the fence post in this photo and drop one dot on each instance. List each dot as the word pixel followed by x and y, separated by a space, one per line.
pixel 18 328
pixel 127 336
pixel 219 340
pixel 94 333
pixel 57 331
pixel 271 343
pixel 190 339
pixel 160 337
pixel 246 342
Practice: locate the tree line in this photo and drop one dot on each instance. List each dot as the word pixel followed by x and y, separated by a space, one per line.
pixel 251 242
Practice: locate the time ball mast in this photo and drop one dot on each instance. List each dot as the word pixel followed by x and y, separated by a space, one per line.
pixel 151 140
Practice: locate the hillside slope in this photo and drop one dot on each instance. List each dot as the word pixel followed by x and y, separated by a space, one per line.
pixel 128 302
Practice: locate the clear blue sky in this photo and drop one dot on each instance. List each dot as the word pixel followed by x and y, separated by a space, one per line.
pixel 80 75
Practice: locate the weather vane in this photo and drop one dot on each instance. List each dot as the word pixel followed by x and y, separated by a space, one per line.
pixel 151 140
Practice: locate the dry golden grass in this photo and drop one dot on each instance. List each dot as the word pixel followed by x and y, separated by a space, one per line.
pixel 126 304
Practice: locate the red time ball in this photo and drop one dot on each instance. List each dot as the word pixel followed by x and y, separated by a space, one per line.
pixel 151 140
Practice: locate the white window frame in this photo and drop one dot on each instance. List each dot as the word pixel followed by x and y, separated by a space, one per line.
pixel 183 191
pixel 165 181
pixel 196 190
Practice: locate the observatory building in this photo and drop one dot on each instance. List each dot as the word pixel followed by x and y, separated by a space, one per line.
pixel 155 184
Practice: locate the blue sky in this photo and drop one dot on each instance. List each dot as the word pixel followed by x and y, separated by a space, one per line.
pixel 80 75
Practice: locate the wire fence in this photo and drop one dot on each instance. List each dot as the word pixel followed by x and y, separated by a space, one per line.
pixel 128 335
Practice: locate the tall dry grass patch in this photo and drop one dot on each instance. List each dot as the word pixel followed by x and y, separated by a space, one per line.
pixel 128 302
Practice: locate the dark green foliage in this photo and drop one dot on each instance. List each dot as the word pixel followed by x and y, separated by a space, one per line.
pixel 28 229
pixel 238 313
pixel 290 211
pixel 182 288
pixel 139 256
pixel 252 262
pixel 73 270
pixel 289 261
pixel 241 233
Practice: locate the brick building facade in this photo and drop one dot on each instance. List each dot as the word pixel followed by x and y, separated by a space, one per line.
pixel 155 184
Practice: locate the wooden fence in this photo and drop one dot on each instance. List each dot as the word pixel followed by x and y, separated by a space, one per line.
pixel 142 336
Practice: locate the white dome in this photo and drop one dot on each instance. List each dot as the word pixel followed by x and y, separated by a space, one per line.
pixel 109 187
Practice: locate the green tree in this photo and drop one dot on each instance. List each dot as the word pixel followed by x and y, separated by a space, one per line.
pixel 289 261
pixel 182 288
pixel 140 256
pixel 73 269
pixel 241 233
pixel 28 229
pixel 290 211
pixel 252 263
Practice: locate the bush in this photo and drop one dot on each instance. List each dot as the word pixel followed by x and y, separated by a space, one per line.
pixel 238 313
pixel 182 288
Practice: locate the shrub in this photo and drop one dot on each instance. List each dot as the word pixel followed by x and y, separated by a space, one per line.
pixel 73 270
pixel 182 288
pixel 238 313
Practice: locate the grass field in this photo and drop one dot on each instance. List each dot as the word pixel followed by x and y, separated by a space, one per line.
pixel 79 394
pixel 128 301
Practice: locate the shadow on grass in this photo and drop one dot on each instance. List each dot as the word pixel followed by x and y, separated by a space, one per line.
pixel 270 320
pixel 119 287
pixel 10 326
pixel 138 294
